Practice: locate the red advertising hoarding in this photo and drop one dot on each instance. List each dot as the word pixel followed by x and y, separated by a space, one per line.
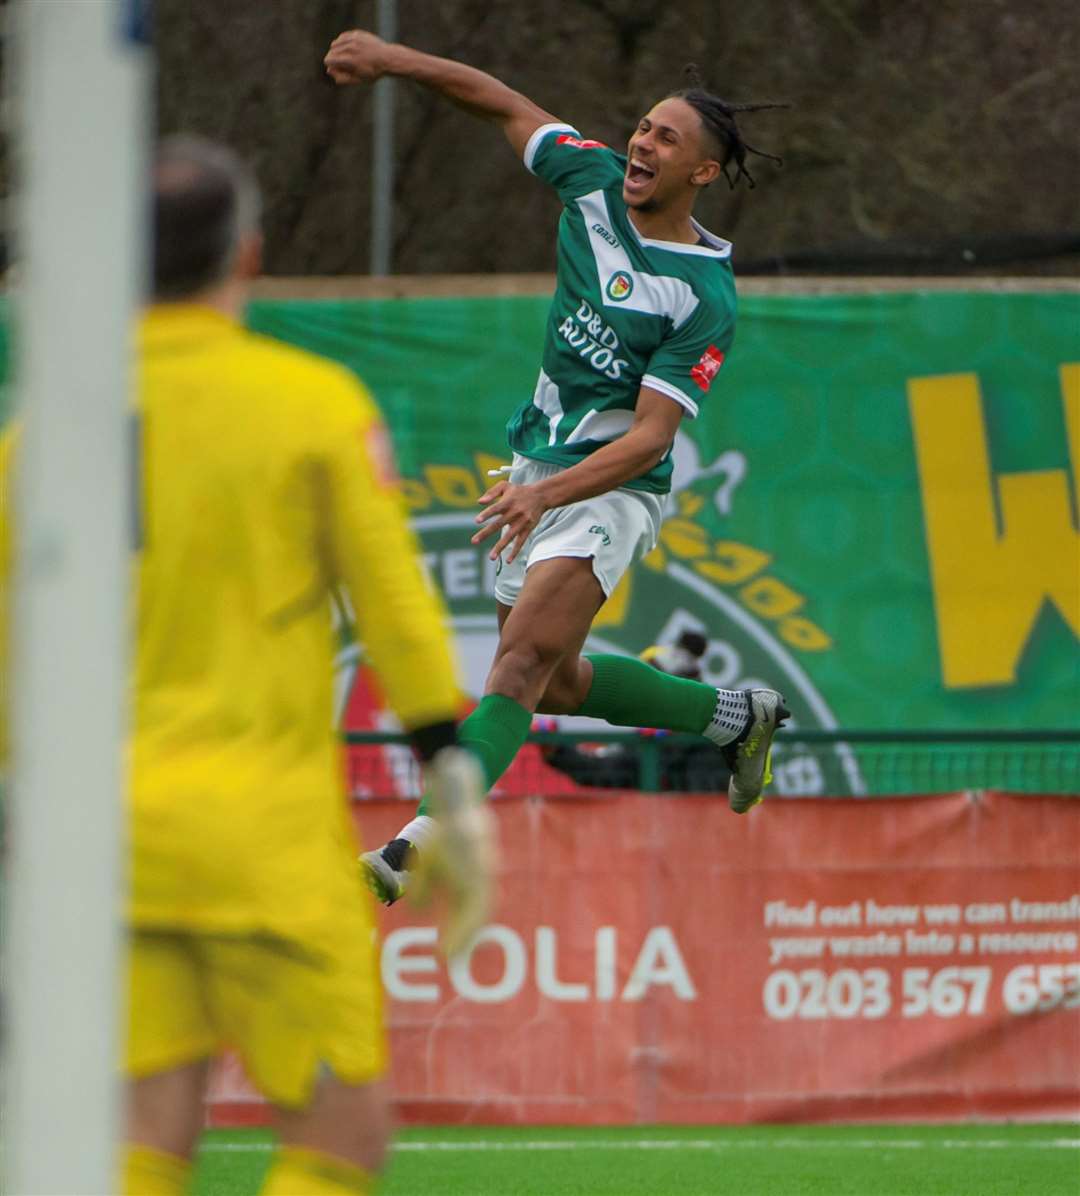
pixel 657 959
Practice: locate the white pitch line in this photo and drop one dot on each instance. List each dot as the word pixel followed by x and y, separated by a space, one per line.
pixel 705 1144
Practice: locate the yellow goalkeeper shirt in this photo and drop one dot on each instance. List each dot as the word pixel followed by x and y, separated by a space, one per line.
pixel 265 485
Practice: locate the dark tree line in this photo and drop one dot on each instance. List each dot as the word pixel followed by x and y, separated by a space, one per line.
pixel 923 135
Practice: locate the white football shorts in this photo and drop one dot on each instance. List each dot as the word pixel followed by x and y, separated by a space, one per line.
pixel 615 530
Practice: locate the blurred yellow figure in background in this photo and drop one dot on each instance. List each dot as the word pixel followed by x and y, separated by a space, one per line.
pixel 264 486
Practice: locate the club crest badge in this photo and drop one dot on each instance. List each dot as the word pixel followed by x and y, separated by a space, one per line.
pixel 619 286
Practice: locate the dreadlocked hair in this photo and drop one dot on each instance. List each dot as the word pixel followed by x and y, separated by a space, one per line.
pixel 718 117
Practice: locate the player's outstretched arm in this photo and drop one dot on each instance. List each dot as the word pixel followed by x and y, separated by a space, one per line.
pixel 360 57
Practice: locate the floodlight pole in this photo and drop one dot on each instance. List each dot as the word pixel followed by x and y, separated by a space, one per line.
pixel 82 106
pixel 382 152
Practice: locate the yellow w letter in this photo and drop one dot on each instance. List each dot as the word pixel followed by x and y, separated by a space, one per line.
pixel 989 583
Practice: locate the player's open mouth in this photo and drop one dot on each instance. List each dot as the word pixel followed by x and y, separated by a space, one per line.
pixel 639 176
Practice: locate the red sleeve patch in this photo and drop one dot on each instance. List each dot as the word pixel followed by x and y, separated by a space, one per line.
pixel 708 367
pixel 566 139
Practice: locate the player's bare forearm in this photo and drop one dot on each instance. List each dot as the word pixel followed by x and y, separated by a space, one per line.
pixel 656 420
pixel 361 57
pixel 476 91
pixel 513 511
pixel 607 469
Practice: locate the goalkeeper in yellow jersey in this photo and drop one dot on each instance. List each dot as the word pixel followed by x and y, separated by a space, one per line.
pixel 264 485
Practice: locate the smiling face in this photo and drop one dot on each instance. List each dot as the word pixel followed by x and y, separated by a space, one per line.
pixel 670 157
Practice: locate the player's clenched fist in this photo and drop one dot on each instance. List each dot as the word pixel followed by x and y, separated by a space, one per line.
pixel 356 57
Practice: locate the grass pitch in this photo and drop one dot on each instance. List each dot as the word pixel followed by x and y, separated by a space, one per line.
pixel 893 1160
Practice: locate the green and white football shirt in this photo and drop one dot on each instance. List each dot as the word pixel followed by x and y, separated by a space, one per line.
pixel 628 312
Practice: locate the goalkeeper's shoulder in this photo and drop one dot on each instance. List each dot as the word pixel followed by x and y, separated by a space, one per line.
pixel 323 386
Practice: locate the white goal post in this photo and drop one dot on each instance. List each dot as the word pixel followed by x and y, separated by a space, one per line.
pixel 80 103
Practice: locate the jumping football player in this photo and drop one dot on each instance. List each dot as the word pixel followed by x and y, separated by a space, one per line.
pixel 642 317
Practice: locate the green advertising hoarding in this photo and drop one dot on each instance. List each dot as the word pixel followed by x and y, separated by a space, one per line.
pixel 876 511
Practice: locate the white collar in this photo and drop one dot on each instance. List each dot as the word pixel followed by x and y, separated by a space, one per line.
pixel 714 246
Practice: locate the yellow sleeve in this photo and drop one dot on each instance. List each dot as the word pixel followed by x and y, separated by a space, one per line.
pixel 375 556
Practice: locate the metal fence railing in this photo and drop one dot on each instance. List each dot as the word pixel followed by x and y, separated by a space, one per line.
pixel 805 763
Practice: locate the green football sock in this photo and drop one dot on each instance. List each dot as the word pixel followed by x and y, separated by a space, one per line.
pixel 627 692
pixel 494 733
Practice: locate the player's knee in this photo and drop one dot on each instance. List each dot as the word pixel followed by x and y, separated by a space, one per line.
pixel 527 663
